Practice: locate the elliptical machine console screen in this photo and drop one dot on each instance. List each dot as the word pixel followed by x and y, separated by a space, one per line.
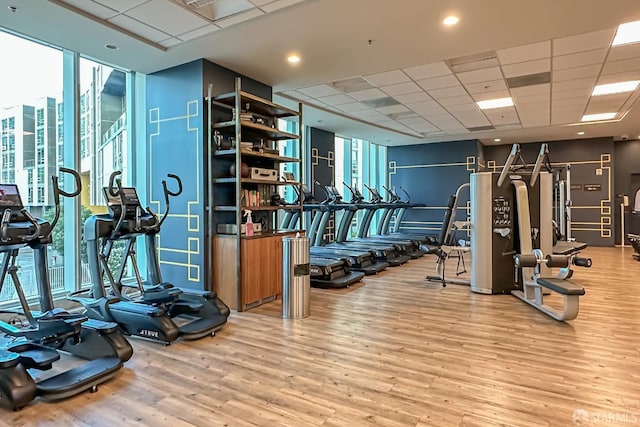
pixel 128 197
pixel 10 197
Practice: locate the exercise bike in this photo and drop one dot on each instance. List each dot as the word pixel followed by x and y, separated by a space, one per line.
pixel 151 309
pixel 33 345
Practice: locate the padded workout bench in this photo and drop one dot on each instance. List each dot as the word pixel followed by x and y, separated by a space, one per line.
pixel 533 287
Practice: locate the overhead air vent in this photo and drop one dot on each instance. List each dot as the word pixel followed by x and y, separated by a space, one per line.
pixel 529 80
pixel 196 4
pixel 478 61
pixel 403 115
pixel 352 85
pixel 432 134
pixel 381 102
pixel 215 10
pixel 480 128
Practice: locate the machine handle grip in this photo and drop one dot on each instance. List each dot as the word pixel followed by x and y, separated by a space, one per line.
pixel 169 192
pixel 114 190
pixel 4 229
pixel 33 221
pixel 57 190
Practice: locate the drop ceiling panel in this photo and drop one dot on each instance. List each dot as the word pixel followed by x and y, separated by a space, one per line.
pixel 119 5
pixel 139 28
pixel 579 59
pixel 239 17
pixel 388 78
pixel 448 92
pixel 491 95
pixel 457 100
pixel 491 86
pixel 583 42
pixel 260 2
pixel 609 102
pixel 597 109
pixel 336 99
pixel 619 77
pixel 93 8
pixel 502 116
pixel 393 109
pixel 367 94
pixel 423 106
pixel 198 32
pixel 624 66
pixel 535 115
pixel 296 95
pixel 525 53
pixel 413 97
pixel 217 9
pixel 401 88
pixel 531 90
pixel 428 71
pixel 370 115
pixel 318 91
pixel 526 68
pixel 483 75
pixel 279 4
pixel 455 109
pixel 439 82
pixel 576 73
pixel 173 41
pixel 628 51
pixel 167 17
pixel 575 103
pixel 444 121
pixel 353 107
pixel 560 116
pixel 530 99
pixel 584 83
pixel 472 119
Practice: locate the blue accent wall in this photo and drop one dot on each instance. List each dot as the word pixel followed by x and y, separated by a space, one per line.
pixel 174 145
pixel 431 173
pixel 322 162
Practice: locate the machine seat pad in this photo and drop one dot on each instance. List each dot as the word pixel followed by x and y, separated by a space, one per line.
pixel 561 286
pixel 8 359
pixel 79 378
pixel 567 248
pixel 36 356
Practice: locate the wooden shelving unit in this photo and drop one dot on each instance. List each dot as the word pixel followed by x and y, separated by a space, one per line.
pixel 247 269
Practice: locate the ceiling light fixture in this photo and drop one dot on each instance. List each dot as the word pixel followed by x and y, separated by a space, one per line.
pixel 495 103
pixel 627 33
pixel 293 59
pixel 596 117
pixel 581 133
pixel 497 140
pixel 611 88
pixel 450 20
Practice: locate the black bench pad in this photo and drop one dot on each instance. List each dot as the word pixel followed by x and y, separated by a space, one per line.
pixel 567 248
pixel 561 286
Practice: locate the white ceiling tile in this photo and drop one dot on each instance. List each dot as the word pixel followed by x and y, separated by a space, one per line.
pixel 318 91
pixel 260 2
pixel 597 109
pixel 439 82
pixel 353 107
pixel 576 73
pixel 208 29
pixel 412 97
pixel 454 109
pixel 531 90
pixel 387 78
pixel 239 17
pixel 491 95
pixel 401 88
pixel 411 121
pixel 167 17
pixel 367 94
pixel 279 4
pixel 392 109
pixel 336 99
pixel 444 120
pixel 296 95
pixel 565 115
pixel 220 9
pixel 584 83
pixel 524 53
pixel 120 5
pixel 471 120
pixel 526 68
pixel 624 66
pixel 583 94
pixel 535 98
pixel 619 77
pixel 536 119
pixel 608 102
pixel 139 28
pixel 491 86
pixel 170 42
pixel 94 8
pixel 457 100
pixel 583 42
pixel 428 71
pixel 618 53
pixel 502 116
pixel 569 102
pixel 422 106
pixel 579 59
pixel 484 75
pixel 447 92
pixel 369 114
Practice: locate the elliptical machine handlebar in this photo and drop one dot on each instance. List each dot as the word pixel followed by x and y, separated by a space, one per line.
pixel 168 193
pixel 57 191
pixel 112 187
pixel 34 222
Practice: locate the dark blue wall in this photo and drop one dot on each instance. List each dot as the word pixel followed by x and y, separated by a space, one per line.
pixel 322 150
pixel 593 212
pixel 627 161
pixel 431 173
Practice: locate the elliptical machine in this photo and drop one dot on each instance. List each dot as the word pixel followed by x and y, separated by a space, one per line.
pixel 155 309
pixel 34 345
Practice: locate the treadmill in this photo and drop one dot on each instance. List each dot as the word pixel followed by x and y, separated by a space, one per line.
pixel 362 261
pixel 399 207
pixel 382 251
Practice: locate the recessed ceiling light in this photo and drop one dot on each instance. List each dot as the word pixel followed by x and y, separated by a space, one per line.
pixel 596 117
pixel 497 140
pixel 294 59
pixel 450 20
pixel 627 33
pixel 495 103
pixel 581 133
pixel 612 88
pixel 111 47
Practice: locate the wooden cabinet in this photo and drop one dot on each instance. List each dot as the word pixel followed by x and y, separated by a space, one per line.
pixel 244 135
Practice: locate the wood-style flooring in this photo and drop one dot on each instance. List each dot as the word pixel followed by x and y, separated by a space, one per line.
pixel 394 351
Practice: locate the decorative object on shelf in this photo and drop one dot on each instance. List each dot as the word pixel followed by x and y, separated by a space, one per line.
pixel 263 173
pixel 244 170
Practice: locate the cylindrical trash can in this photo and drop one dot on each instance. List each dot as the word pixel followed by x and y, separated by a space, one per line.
pixel 296 282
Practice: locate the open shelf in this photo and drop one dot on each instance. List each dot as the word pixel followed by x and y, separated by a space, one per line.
pixel 232 180
pixel 257 104
pixel 272 133
pixel 257 154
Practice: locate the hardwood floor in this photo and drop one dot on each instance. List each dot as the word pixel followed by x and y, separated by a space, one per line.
pixel 396 351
